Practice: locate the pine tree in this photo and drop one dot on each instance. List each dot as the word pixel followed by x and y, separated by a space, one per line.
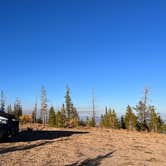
pixel 75 117
pixel 34 114
pixel 143 113
pixel 87 121
pixel 122 123
pixel 130 119
pixel 93 119
pixel 63 116
pixel 160 123
pixel 143 116
pixel 52 117
pixel 110 120
pixel 114 120
pixel 9 109
pixel 17 108
pixel 156 122
pixel 68 103
pixel 106 118
pixel 102 121
pixel 105 122
pixel 92 122
pixel 72 119
pixel 58 119
pixel 2 104
pixel 43 105
pixel 82 123
pixel 163 128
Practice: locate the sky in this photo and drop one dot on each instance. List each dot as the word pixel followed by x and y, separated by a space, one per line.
pixel 115 47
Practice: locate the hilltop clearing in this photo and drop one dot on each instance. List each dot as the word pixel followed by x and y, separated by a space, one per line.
pixel 76 147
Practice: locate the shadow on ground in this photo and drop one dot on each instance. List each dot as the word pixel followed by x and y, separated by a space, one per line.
pixel 28 136
pixel 23 147
pixel 92 162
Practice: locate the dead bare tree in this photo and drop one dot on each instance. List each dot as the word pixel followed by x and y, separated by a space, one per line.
pixel 43 105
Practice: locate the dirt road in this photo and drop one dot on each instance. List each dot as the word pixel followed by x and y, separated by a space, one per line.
pixel 79 147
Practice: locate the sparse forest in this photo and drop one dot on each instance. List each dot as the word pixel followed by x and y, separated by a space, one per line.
pixel 142 117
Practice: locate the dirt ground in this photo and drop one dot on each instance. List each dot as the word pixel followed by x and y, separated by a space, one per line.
pixel 78 147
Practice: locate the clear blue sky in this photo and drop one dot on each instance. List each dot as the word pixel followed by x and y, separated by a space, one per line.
pixel 115 47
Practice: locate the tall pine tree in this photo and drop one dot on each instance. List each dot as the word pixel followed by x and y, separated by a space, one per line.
pixel 52 118
pixel 17 108
pixel 9 109
pixel 68 103
pixel 143 112
pixel 63 116
pixel 72 119
pixel 155 122
pixel 130 119
pixel 2 104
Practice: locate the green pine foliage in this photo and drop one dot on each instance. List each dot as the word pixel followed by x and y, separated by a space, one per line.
pixel 9 109
pixel 72 119
pixel 163 128
pixel 145 119
pixel 87 121
pixel 2 102
pixel 67 116
pixel 90 122
pixel 110 120
pixel 17 109
pixel 122 123
pixel 75 117
pixel 69 104
pixel 155 122
pixel 160 124
pixel 143 116
pixel 104 122
pixel 58 119
pixel 51 120
pixel 63 116
pixel 130 119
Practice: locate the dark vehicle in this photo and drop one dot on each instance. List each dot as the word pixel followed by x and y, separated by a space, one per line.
pixel 9 125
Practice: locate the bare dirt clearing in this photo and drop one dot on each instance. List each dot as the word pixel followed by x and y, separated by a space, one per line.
pixel 77 147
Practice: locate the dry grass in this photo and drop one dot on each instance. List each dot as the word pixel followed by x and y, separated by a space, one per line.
pixel 77 147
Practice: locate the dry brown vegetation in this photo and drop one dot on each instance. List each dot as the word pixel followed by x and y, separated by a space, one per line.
pixel 77 147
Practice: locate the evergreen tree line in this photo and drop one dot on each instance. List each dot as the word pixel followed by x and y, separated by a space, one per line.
pixel 145 118
pixel 142 117
pixel 16 110
pixel 67 116
pixel 131 121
